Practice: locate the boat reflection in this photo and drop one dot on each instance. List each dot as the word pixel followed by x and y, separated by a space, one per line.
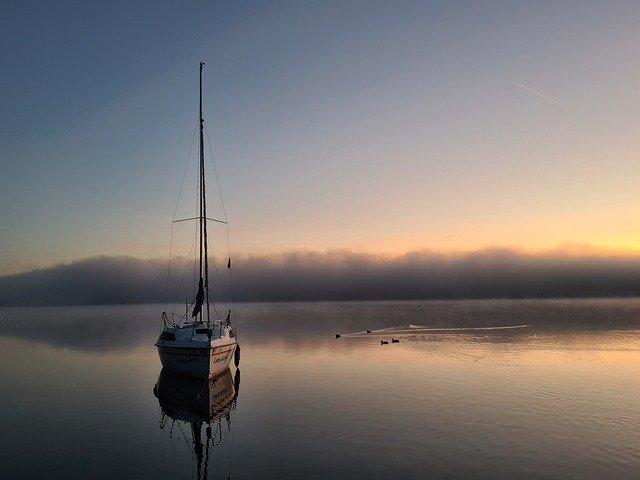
pixel 202 404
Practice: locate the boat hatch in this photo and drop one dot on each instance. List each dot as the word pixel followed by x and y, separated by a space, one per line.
pixel 168 336
pixel 201 331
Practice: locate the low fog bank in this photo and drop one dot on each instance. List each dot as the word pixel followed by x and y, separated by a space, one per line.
pixel 339 275
pixel 93 281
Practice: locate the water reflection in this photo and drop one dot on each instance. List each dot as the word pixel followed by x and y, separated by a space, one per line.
pixel 465 394
pixel 204 406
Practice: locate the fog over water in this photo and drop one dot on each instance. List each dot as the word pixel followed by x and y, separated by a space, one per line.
pixel 336 275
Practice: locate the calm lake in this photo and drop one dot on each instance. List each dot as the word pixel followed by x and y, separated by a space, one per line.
pixel 474 389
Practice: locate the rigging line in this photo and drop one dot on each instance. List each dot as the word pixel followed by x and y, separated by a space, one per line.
pixel 166 290
pixel 163 463
pixel 233 431
pixel 219 440
pixel 191 449
pixel 184 174
pixel 224 211
pixel 197 218
pixel 184 435
pixel 195 255
pixel 207 450
pixel 175 210
pixel 233 299
pixel 217 464
pixel 215 266
pixel 205 384
pixel 184 272
pixel 233 295
pixel 215 170
pixel 176 458
pixel 231 424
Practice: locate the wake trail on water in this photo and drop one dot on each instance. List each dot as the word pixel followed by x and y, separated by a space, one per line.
pixel 501 327
pixel 413 329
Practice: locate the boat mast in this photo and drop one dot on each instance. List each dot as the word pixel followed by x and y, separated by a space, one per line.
pixel 201 152
pixel 203 210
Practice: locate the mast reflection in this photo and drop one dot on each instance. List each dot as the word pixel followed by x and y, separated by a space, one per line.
pixel 201 404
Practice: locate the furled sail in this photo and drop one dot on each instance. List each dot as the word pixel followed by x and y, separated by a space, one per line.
pixel 199 300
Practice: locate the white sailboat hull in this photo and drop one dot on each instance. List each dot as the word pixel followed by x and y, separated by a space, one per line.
pixel 196 362
pixel 195 349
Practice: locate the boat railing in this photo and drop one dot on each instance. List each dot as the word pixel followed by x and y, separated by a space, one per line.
pixel 173 319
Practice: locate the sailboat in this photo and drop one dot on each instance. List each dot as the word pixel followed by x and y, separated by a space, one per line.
pixel 197 345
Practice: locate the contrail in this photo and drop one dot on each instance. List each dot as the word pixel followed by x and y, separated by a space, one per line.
pixel 531 90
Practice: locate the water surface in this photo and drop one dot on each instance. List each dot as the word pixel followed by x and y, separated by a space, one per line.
pixel 482 389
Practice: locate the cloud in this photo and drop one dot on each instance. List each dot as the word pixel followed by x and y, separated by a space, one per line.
pixel 339 275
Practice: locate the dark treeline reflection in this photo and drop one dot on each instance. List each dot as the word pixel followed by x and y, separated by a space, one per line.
pixel 339 276
pixel 314 324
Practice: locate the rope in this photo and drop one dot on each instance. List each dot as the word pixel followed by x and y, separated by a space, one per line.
pixel 215 170
pixel 176 457
pixel 233 295
pixel 162 464
pixel 175 210
pixel 215 267
pixel 224 212
pixel 166 290
pixel 204 385
pixel 184 272
pixel 184 174
pixel 232 428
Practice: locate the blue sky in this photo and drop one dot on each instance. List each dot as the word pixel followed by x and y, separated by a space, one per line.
pixel 382 127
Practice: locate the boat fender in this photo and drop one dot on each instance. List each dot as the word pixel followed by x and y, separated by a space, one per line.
pixel 236 356
pixel 236 382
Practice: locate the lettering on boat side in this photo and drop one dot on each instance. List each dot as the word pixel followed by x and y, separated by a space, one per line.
pixel 221 359
pixel 222 394
pixel 189 359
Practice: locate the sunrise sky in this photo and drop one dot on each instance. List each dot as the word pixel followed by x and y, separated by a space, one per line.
pixel 379 127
